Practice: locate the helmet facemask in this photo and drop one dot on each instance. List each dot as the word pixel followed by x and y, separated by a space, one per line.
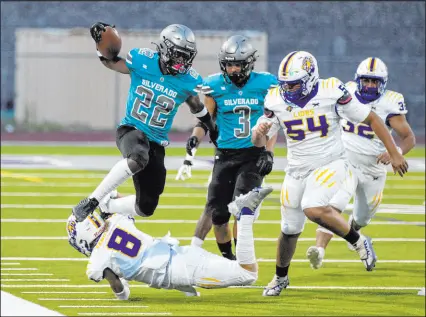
pixel 300 93
pixel 179 60
pixel 371 93
pixel 238 78
pixel 83 236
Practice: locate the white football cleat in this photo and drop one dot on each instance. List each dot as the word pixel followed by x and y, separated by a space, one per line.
pixel 364 247
pixel 315 257
pixel 103 204
pixel 275 287
pixel 248 204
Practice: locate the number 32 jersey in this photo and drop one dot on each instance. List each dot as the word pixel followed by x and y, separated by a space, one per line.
pixel 360 138
pixel 313 132
pixel 237 108
pixel 154 98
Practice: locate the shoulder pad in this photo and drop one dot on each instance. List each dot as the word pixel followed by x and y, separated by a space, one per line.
pixel 393 96
pixel 330 83
pixel 346 98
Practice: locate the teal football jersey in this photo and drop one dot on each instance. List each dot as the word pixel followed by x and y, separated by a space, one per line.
pixel 154 98
pixel 238 109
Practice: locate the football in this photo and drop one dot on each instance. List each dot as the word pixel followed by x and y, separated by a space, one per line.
pixel 110 44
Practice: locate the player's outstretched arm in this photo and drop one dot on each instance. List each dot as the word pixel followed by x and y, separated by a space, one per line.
pixel 117 63
pixel 122 292
pixel 200 111
pixel 403 130
pixel 399 164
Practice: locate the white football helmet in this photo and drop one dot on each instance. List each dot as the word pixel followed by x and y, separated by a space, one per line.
pixel 83 235
pixel 374 68
pixel 298 67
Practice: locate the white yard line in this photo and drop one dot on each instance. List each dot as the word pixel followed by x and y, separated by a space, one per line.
pixel 100 306
pixel 259 260
pixel 68 292
pixel 79 299
pixel 175 195
pixel 171 176
pixel 10 263
pixel 276 186
pixel 124 314
pixel 94 285
pixel 170 221
pixel 26 274
pixel 18 269
pixel 214 239
pixel 385 208
pixel 35 280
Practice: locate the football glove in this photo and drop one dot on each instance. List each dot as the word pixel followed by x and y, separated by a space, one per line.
pixel 184 171
pixel 265 163
pixel 191 144
pixel 97 29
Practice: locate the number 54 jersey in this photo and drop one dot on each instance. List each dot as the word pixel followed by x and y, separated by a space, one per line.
pixel 313 131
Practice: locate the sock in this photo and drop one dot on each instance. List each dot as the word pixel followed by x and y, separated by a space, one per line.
pixel 116 176
pixel 226 249
pixel 352 236
pixel 245 247
pixel 124 205
pixel 195 241
pixel 235 242
pixel 281 271
pixel 321 251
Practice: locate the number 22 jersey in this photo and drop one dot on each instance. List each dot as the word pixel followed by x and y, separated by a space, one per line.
pixel 154 98
pixel 313 131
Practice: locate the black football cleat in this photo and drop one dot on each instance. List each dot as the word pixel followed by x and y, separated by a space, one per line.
pixel 84 208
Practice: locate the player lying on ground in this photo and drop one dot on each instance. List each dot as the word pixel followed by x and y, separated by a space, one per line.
pixel 318 183
pixel 234 97
pixel 119 251
pixel 160 81
pixel 365 152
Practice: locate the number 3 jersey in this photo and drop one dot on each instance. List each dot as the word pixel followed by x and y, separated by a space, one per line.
pixel 360 138
pixel 154 98
pixel 129 253
pixel 313 131
pixel 237 109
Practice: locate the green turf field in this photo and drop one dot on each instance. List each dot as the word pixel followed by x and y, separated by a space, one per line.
pixel 36 204
pixel 106 150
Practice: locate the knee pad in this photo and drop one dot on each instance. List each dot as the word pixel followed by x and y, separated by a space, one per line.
pixel 220 216
pixel 146 208
pixel 139 159
pixel 292 228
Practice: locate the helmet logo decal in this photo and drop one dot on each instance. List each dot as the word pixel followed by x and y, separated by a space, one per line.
pixel 308 65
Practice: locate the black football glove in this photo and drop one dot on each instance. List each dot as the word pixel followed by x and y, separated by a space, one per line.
pixel 191 144
pixel 265 163
pixel 214 134
pixel 97 29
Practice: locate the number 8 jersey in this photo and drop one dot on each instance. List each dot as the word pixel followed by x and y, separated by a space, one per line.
pixel 129 253
pixel 237 108
pixel 313 131
pixel 154 98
